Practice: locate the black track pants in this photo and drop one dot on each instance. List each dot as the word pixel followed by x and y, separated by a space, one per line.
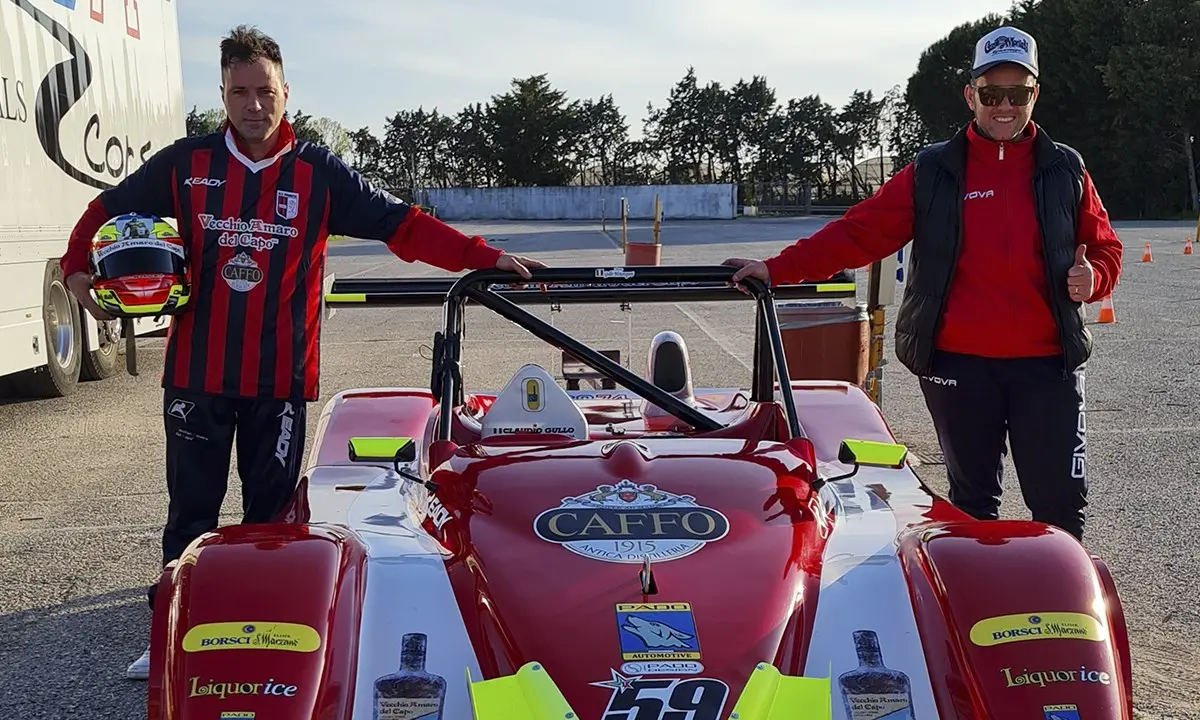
pixel 974 402
pixel 200 435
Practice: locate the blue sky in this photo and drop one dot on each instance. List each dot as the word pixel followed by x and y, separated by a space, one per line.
pixel 359 61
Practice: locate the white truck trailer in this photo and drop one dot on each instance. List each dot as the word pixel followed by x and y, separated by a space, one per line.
pixel 89 90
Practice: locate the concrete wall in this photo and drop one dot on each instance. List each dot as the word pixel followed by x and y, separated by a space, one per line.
pixel 583 203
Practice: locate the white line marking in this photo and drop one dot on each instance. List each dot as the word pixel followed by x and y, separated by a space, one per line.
pixel 615 242
pixel 1137 430
pixel 424 270
pixel 83 528
pixel 705 328
pixel 360 273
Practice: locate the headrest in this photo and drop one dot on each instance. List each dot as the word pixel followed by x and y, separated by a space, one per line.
pixel 670 368
pixel 532 402
pixel 671 371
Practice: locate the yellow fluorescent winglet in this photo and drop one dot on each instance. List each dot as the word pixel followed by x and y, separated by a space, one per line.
pixel 377 449
pixel 874 453
pixel 771 695
pixel 345 297
pixel 530 694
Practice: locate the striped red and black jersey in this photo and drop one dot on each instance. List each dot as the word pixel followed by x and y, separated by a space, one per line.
pixel 256 235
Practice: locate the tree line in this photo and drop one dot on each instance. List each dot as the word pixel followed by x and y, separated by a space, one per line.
pixel 1118 84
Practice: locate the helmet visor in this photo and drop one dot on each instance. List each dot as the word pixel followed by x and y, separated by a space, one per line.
pixel 142 256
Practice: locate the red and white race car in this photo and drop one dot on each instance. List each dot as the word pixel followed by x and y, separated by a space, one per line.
pixel 647 552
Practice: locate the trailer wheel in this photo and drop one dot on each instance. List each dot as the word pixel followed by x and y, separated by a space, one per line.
pixel 105 361
pixel 64 340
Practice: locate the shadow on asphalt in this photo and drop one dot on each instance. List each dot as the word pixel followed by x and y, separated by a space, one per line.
pixel 74 655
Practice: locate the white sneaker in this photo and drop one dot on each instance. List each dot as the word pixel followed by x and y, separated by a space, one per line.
pixel 140 668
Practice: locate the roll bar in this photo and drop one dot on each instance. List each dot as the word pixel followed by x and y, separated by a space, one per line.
pixel 503 293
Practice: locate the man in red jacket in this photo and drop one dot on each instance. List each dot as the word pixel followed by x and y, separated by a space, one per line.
pixel 1010 239
pixel 243 361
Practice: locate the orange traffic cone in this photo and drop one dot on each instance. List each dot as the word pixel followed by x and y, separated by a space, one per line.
pixel 1107 313
pixel 1146 255
pixel 1187 246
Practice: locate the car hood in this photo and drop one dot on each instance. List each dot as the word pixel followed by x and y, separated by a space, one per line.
pixel 554 546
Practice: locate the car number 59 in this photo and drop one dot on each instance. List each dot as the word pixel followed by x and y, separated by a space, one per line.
pixel 669 699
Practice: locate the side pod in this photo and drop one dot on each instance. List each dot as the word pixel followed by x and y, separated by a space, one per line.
pixel 262 620
pixel 1016 620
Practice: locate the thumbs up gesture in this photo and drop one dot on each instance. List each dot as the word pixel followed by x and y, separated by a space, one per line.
pixel 1081 282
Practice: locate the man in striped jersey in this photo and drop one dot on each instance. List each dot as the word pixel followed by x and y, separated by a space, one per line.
pixel 255 207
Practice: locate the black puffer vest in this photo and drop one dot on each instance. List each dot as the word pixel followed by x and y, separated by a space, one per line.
pixel 938 199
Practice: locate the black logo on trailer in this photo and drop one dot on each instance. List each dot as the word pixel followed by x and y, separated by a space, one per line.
pixel 63 87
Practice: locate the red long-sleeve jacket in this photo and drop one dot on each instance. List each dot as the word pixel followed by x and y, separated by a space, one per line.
pixel 256 234
pixel 999 302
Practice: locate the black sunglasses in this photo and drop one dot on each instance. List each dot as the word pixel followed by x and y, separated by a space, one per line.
pixel 992 95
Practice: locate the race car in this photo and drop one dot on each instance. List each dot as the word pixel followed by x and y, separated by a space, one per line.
pixel 653 551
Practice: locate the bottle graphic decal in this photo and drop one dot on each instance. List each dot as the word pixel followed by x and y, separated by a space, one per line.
pixel 411 693
pixel 873 691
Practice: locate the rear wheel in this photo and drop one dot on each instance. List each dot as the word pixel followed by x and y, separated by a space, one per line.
pixel 105 360
pixel 64 341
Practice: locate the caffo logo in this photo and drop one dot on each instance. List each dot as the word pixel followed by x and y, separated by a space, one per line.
pixel 1037 626
pixel 252 636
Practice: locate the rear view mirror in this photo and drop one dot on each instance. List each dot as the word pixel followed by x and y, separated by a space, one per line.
pixel 873 453
pixel 870 453
pixel 391 450
pixel 394 451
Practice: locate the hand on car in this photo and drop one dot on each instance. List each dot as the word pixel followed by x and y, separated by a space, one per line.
pixel 749 268
pixel 80 285
pixel 518 264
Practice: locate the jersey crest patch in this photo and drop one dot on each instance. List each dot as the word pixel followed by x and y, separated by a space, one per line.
pixel 287 204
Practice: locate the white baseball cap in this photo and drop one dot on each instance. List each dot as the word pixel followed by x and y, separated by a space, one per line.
pixel 1005 45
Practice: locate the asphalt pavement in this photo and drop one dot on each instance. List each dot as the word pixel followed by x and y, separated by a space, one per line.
pixel 82 498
